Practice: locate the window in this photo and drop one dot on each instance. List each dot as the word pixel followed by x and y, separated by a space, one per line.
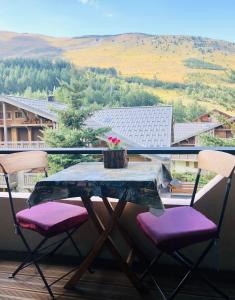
pixel 195 164
pixel 19 115
pixel 9 116
pixel 187 163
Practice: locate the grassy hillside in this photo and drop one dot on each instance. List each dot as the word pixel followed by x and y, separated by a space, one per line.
pixel 148 56
pixel 179 59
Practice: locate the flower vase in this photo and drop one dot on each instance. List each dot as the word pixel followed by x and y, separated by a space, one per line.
pixel 115 159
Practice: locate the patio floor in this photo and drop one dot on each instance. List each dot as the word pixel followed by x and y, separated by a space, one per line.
pixel 105 284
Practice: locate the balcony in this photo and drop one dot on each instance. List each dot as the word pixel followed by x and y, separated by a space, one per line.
pixel 22 181
pixel 184 157
pixel 107 282
pixel 23 145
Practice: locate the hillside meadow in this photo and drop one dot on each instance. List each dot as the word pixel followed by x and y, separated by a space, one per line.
pixel 201 65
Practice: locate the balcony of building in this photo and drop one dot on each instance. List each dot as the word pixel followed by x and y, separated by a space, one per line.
pixel 108 282
pixel 23 145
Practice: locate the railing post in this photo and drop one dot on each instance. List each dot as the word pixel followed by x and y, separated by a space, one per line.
pixel 20 181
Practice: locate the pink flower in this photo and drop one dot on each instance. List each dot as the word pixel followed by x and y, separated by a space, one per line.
pixel 113 143
pixel 117 141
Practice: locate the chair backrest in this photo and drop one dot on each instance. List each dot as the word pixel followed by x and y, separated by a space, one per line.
pixel 216 161
pixel 220 163
pixel 21 161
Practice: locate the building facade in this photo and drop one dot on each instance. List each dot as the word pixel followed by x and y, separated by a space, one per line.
pixel 215 123
pixel 22 121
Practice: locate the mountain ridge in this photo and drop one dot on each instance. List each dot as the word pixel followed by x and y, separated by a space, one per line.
pixel 114 35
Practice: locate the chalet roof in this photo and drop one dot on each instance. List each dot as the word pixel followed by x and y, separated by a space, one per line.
pixel 183 131
pixel 149 126
pixel 213 111
pixel 43 108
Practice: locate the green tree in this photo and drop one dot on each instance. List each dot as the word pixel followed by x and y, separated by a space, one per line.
pixel 87 88
pixel 179 111
pixel 140 98
pixel 194 110
pixel 209 140
pixel 71 133
pixel 187 113
pixel 18 74
pixel 231 76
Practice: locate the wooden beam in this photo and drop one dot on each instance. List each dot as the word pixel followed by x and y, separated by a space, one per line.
pixel 4 122
pixel 14 134
pixel 29 134
pixel 25 114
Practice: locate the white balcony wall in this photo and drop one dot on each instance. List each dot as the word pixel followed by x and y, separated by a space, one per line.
pixel 208 202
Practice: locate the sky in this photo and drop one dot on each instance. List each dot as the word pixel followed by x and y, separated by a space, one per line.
pixel 207 18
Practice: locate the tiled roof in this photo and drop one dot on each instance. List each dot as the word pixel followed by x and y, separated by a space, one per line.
pixel 183 131
pixel 148 126
pixel 43 108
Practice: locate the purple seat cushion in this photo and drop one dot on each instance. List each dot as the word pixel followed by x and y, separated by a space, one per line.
pixel 178 227
pixel 52 218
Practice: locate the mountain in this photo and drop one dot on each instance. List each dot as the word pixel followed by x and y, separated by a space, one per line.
pixel 26 45
pixel 169 58
pixel 131 53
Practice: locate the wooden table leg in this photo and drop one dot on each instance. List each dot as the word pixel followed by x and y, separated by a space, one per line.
pixel 104 238
pixel 135 250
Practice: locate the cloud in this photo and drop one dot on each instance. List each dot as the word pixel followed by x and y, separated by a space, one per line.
pixel 109 15
pixel 94 4
pixel 89 2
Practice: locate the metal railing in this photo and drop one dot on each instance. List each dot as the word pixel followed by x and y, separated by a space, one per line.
pixel 12 180
pixel 185 157
pixel 149 151
pixel 24 181
pixel 28 180
pixel 23 145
